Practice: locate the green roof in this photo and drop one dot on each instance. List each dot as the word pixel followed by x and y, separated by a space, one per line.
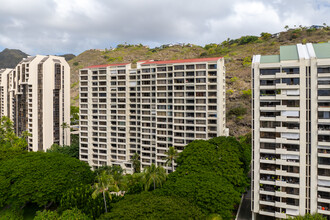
pixel 322 50
pixel 270 59
pixel 289 53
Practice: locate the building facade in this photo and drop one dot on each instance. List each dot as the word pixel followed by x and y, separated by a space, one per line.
pixel 291 132
pixel 149 108
pixel 35 95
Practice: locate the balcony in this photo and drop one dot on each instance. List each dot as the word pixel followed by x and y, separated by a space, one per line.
pixel 267 212
pixel 323 153
pixel 286 86
pixel 323 208
pixel 323 197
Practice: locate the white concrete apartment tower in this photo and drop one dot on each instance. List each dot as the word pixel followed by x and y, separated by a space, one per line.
pixel 149 108
pixel 291 131
pixel 35 95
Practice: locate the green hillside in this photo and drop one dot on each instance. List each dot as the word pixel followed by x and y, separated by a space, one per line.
pixel 237 53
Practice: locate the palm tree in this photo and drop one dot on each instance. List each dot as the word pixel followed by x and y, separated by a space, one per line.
pixel 117 173
pixel 64 126
pixel 172 154
pixel 135 160
pixel 155 175
pixel 105 183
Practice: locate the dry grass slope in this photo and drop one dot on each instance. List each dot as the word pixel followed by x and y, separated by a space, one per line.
pixel 237 55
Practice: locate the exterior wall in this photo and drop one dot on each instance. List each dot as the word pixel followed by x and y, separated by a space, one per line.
pixel 48 89
pixel 21 91
pixel 146 110
pixel 291 169
pixel 4 73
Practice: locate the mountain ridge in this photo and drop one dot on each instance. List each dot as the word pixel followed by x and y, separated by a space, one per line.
pixel 9 58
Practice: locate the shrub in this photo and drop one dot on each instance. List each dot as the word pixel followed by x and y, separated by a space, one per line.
pixel 209 46
pixel 115 59
pixel 247 93
pixel 233 79
pixel 237 111
pixel 230 91
pixel 265 35
pixel 11 214
pixel 69 214
pixel 46 215
pixel 247 39
pixel 247 61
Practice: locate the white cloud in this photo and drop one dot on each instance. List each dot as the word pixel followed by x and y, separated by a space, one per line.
pixel 62 26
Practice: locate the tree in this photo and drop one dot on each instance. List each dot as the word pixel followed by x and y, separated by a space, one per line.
pixel 70 150
pixel 74 115
pixel 134 182
pixel 217 168
pixel 25 136
pixel 221 155
pixel 211 192
pixel 40 178
pixel 154 175
pixel 8 138
pixel 81 197
pixel 64 126
pixel 172 154
pixel 135 160
pixel 286 27
pixel 265 35
pixel 150 206
pixel 105 185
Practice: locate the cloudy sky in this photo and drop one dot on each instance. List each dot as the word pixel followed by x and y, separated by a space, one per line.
pixel 73 26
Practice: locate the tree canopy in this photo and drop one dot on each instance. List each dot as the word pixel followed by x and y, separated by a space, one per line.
pixel 81 197
pixel 70 150
pixel 150 206
pixel 216 168
pixel 69 214
pixel 40 178
pixel 8 138
pixel 214 195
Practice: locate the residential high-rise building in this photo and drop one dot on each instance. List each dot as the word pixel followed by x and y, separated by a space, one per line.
pixel 35 95
pixel 149 108
pixel 291 131
pixel 4 91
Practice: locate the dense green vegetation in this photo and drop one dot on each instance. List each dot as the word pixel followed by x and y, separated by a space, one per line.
pixel 8 138
pixel 151 206
pixel 60 186
pixel 70 150
pixel 40 178
pixel 74 214
pixel 217 168
pixel 74 115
